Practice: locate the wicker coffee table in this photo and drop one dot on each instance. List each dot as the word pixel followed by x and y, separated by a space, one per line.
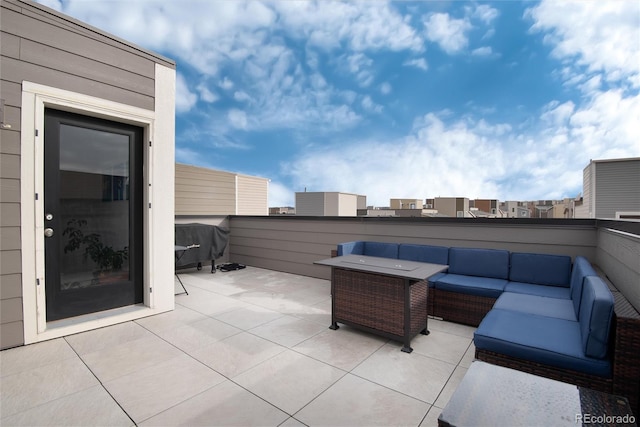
pixel 387 297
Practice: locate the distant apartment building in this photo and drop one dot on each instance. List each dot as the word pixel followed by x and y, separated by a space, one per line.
pixel 452 206
pixel 373 211
pixel 203 191
pixel 329 203
pixel 490 206
pixel 405 203
pixel 282 210
pixel 611 189
pixel 515 209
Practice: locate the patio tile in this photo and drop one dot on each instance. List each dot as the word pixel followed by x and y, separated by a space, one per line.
pixel 128 357
pixel 238 353
pixel 198 334
pixel 450 387
pixel 28 389
pixel 354 401
pixel 107 337
pixel 90 407
pixel 431 420
pixel 319 313
pixel 292 422
pixel 412 374
pixel 441 345
pixel 344 348
pixel 222 284
pixel 288 330
pixel 289 380
pixel 34 356
pixel 179 316
pixel 208 303
pixel 451 328
pixel 249 317
pixel 469 356
pixel 223 405
pixel 148 392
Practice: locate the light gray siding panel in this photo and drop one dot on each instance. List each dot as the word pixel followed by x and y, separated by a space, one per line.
pixel 11 286
pixel 252 195
pixel 9 166
pixel 98 48
pixel 10 262
pixel 9 190
pixel 9 141
pixel 617 188
pixel 201 191
pixel 12 115
pixel 310 204
pixel 9 214
pixel 11 93
pixel 10 45
pixel 11 335
pixel 17 71
pixel 10 310
pixel 9 238
pixel 619 257
pixel 60 60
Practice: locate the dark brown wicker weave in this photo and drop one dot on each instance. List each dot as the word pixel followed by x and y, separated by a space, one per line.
pixel 625 350
pixel 460 308
pixel 378 303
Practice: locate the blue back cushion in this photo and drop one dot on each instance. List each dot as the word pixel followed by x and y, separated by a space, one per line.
pixel 479 262
pixel 348 248
pixel 596 311
pixel 384 250
pixel 581 269
pixel 424 253
pixel 539 269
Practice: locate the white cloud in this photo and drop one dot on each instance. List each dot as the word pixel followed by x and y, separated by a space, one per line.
pixel 185 99
pixel 385 88
pixel 370 106
pixel 449 33
pixel 485 13
pixel 241 96
pixel 237 118
pixel 360 65
pixel 226 83
pixel 280 195
pixel 418 63
pixel 205 94
pixel 602 36
pixel 482 51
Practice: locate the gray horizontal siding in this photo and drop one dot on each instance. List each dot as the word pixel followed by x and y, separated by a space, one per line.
pixel 619 257
pixel 11 334
pixel 292 244
pixel 617 188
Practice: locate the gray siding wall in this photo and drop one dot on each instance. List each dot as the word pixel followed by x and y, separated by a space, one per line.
pixel 202 191
pixel 617 187
pixel 311 203
pixel 618 255
pixel 293 244
pixel 44 47
pixel 253 195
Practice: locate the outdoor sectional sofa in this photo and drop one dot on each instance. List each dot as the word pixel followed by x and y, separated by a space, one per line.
pixel 537 313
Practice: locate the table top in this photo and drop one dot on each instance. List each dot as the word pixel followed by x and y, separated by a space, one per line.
pixel 389 266
pixel 491 395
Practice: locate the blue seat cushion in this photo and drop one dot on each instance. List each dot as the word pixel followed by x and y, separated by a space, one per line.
pixel 534 304
pixel 581 269
pixel 424 253
pixel 540 290
pixel 433 279
pixel 471 285
pixel 492 263
pixel 596 311
pixel 349 248
pixel 379 249
pixel 539 269
pixel 546 340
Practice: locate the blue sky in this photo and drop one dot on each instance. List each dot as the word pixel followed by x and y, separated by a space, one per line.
pixel 506 100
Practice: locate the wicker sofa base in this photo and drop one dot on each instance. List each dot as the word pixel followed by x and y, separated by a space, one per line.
pixel 385 305
pixel 460 308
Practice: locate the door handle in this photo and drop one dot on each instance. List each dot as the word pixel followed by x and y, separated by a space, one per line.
pixel 48 232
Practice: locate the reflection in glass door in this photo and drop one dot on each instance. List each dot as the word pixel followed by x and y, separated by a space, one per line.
pixel 93 214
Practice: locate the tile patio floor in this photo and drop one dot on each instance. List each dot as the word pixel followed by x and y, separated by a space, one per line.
pixel 249 347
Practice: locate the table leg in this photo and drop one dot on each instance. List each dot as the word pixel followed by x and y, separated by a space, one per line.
pixel 407 317
pixel 334 325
